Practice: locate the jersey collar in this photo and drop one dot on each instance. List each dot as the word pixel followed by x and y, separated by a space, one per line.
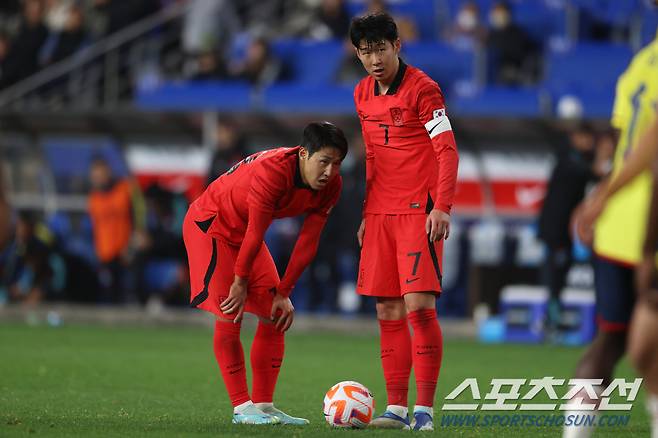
pixel 396 81
pixel 299 182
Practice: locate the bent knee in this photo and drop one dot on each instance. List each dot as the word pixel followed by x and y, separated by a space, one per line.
pixel 390 309
pixel 419 301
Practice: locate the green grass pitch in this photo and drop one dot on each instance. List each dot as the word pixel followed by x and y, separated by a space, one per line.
pixel 89 381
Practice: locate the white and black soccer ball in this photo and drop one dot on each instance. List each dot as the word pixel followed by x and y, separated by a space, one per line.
pixel 348 404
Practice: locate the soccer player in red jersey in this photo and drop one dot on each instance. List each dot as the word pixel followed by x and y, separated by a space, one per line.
pixel 411 173
pixel 232 271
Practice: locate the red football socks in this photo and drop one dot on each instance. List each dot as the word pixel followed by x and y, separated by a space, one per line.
pixel 427 353
pixel 266 357
pixel 230 358
pixel 396 359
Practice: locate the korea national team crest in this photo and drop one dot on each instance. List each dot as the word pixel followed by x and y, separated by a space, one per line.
pixel 396 115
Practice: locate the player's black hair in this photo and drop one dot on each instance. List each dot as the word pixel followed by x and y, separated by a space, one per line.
pixel 318 135
pixel 373 28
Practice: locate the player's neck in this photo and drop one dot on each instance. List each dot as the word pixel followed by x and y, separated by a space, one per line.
pixel 385 84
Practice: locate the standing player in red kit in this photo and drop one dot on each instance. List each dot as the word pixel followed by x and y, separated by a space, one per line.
pixel 232 271
pixel 411 173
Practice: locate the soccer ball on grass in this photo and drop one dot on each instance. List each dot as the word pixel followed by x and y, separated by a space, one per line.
pixel 348 404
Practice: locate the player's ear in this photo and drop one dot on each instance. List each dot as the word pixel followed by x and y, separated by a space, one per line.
pixel 397 45
pixel 303 153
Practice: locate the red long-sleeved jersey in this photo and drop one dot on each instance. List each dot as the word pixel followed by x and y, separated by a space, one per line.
pixel 411 155
pixel 262 187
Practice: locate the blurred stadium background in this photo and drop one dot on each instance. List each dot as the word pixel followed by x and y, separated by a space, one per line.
pixel 171 93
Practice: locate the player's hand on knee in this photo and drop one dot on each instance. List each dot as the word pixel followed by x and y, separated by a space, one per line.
pixel 362 230
pixel 283 312
pixel 235 302
pixel 437 225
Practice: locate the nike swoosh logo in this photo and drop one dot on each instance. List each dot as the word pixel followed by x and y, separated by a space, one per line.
pixel 433 128
pixel 412 280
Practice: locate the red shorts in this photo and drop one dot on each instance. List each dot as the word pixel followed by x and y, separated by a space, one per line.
pixel 212 264
pixel 397 257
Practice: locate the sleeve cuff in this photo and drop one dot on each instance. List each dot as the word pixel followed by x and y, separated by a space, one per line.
pixel 241 273
pixel 285 291
pixel 444 207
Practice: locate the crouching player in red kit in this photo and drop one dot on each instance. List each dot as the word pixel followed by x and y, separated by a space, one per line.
pixel 411 173
pixel 232 271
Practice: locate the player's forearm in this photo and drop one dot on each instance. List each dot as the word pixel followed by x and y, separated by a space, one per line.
pixel 253 239
pixel 448 158
pixel 651 239
pixel 638 160
pixel 303 253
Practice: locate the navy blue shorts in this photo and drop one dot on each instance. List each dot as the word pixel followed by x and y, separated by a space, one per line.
pixel 615 294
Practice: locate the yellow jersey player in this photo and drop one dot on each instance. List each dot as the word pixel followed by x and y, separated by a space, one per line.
pixel 619 212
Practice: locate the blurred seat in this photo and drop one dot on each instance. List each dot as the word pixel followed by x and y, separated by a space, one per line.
pixel 196 96
pixel 160 275
pixel 496 101
pixel 69 159
pixel 422 12
pixel 442 62
pixel 588 71
pixel 309 62
pixel 304 98
pixel 613 12
pixel 649 26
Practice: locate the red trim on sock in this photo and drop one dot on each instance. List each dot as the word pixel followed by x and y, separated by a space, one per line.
pixel 427 353
pixel 395 342
pixel 266 356
pixel 230 358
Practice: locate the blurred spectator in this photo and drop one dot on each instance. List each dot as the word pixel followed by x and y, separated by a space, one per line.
pixel 160 243
pixel 577 165
pixel 207 66
pixel 259 67
pixel 70 38
pixel 514 53
pixel 22 59
pixel 56 14
pixel 39 272
pixel 605 151
pixel 117 14
pixel 275 18
pixel 350 71
pixel 407 29
pixel 332 21
pixel 9 9
pixel 5 213
pixel 209 26
pixel 4 51
pixel 116 210
pixel 230 147
pixel 467 31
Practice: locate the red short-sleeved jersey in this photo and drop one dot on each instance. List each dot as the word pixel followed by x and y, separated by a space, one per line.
pixel 411 156
pixel 269 180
